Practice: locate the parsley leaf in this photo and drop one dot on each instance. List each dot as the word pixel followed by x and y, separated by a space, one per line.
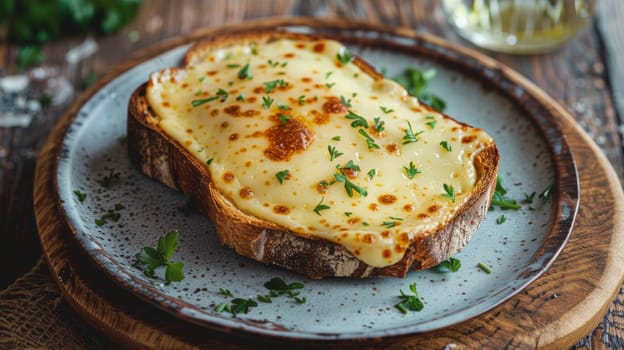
pixel 501 219
pixel 450 192
pixel 283 175
pixel 319 207
pixel 161 256
pixel 416 82
pixel 499 198
pixel 546 193
pixel 371 173
pixel 450 265
pixel 107 180
pixel 345 57
pixel 350 186
pixel 358 120
pixel 446 146
pixel 386 110
pixel 410 136
pixel 345 102
pixel 245 72
pixel 266 102
pixel 484 267
pixel 196 103
pixel 80 195
pixel 411 171
pixel 224 94
pixel 301 100
pixel 370 142
pixel 333 153
pixel 270 85
pixel 410 302
pixel 379 124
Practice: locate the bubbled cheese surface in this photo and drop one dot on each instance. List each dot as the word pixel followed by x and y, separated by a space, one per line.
pixel 270 123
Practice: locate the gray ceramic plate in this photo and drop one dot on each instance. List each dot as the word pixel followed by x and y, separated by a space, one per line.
pixel 534 155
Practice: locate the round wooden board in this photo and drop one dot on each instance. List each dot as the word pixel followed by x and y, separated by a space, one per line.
pixel 556 310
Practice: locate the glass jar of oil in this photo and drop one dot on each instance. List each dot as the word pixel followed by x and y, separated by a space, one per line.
pixel 518 26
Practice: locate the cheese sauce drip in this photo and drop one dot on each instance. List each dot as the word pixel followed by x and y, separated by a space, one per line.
pixel 296 134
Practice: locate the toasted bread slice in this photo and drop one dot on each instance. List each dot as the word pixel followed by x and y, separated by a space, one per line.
pixel 316 178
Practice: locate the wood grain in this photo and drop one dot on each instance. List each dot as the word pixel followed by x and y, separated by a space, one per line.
pixel 552 313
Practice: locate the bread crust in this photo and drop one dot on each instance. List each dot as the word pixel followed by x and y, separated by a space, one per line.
pixel 162 158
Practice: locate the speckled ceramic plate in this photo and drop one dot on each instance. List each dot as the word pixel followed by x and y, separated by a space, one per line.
pixel 534 155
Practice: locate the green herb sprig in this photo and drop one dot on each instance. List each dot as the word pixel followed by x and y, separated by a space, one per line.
pixel 161 256
pixel 410 302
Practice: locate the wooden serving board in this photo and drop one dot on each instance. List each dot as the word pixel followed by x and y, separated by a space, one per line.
pixel 553 312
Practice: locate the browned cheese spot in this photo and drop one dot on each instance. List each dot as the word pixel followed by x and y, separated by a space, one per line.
pixel 404 238
pixel 258 90
pixel 319 47
pixel 350 173
pixel 422 216
pixel 286 139
pixel 306 79
pixel 320 188
pixel 280 209
pixel 289 55
pixel 333 105
pixel 233 137
pixel 300 45
pixel 387 199
pixel 393 148
pixel 353 221
pixel 224 125
pixel 373 207
pixel 246 192
pixel 235 111
pixel 228 177
pixel 166 104
pixel 369 238
pixel 189 131
pixel 468 138
pixel 184 85
pixel 399 248
pixel 212 72
pixel 432 209
pixel 385 234
pixel 387 253
pixel 409 208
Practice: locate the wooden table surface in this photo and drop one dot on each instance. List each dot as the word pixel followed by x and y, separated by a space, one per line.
pixel 584 76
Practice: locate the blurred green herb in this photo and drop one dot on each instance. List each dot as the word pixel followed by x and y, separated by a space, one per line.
pixel 161 256
pixel 416 82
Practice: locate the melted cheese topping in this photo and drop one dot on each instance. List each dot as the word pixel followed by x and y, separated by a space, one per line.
pixel 293 136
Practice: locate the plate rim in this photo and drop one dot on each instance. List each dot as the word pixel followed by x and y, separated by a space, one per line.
pixel 483 66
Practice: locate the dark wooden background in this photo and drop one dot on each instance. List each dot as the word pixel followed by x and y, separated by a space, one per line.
pixel 585 76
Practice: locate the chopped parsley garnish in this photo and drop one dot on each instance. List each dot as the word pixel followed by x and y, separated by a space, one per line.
pixel 386 110
pixel 350 186
pixel 329 85
pixel 392 223
pixel 499 198
pixel 107 180
pixel 273 63
pixel 245 72
pixel 364 223
pixel 282 175
pixel 446 146
pixel 283 107
pixel 320 206
pixel 201 79
pixel 345 102
pixel 501 219
pixel 546 193
pixel 409 136
pixel 196 103
pixel 336 138
pixel 266 102
pixel 198 92
pixel 240 97
pixel 358 120
pixel 111 214
pixel 431 121
pixel 301 100
pixel 371 173
pixel 348 213
pixel 333 152
pixel 351 166
pixel 278 287
pixel 224 94
pixel 484 267
pixel 411 171
pixel 238 306
pixel 209 161
pixel 379 124
pixel 328 74
pixel 161 256
pixel 450 265
pixel 450 192
pixel 370 142
pixel 270 85
pixel 410 302
pixel 345 57
pixel 225 292
pixel 528 198
pixel 80 195
pixel 283 118
pixel 232 65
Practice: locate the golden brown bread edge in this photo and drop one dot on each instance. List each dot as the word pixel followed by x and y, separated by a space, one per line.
pixel 162 158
